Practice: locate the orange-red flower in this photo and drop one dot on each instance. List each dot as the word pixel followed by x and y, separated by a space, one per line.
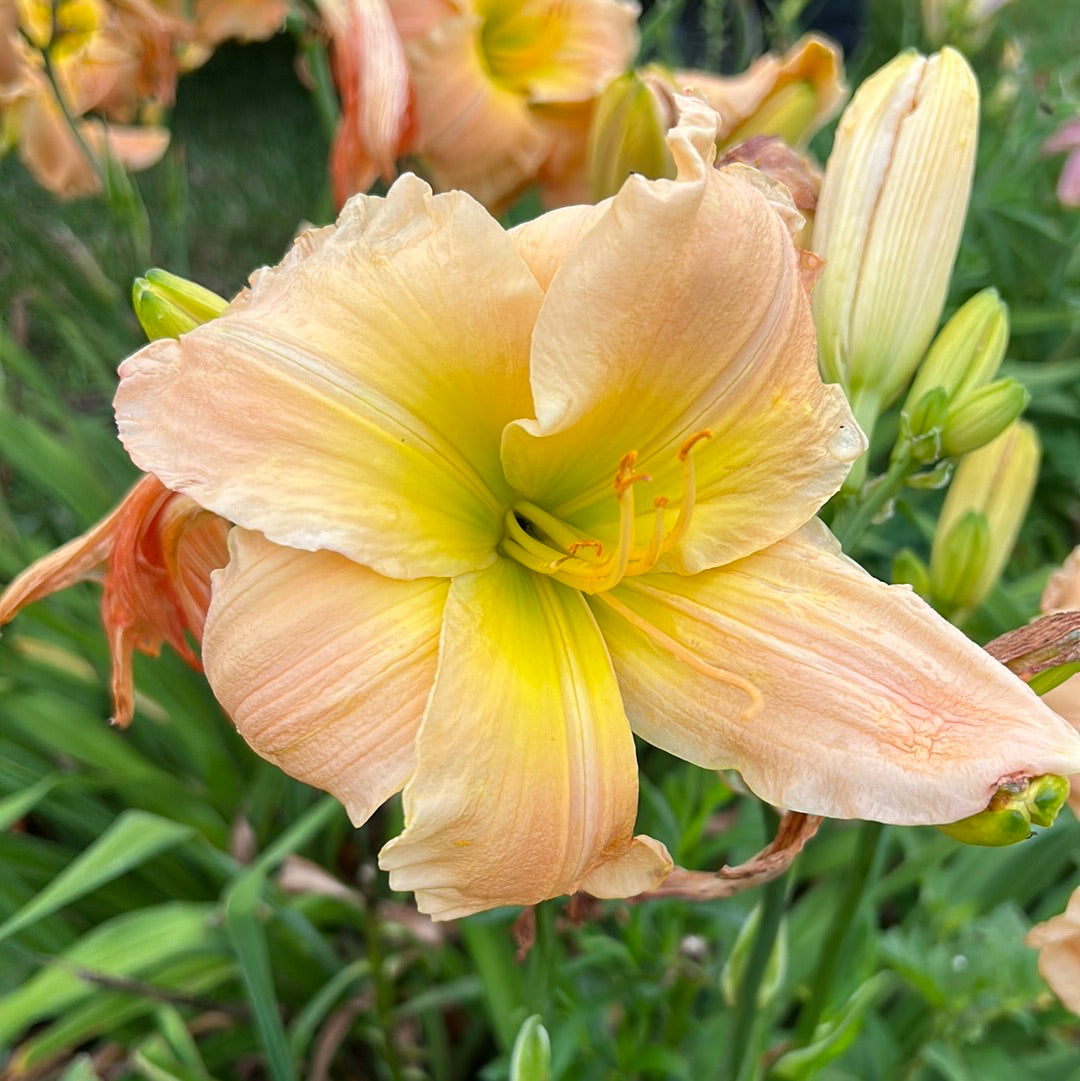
pixel 153 555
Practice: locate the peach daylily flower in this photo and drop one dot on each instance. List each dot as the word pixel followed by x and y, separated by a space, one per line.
pixel 1058 943
pixel 504 498
pixel 790 96
pixel 97 56
pixel 377 122
pixel 154 554
pixel 503 88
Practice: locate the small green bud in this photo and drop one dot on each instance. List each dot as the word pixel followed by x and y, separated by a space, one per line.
pixel 628 131
pixel 957 564
pixel 982 415
pixel 909 569
pixel 168 306
pixel 1011 811
pixel 531 1058
pixel 967 351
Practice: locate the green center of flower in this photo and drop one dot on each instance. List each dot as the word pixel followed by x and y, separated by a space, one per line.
pixel 519 40
pixel 546 544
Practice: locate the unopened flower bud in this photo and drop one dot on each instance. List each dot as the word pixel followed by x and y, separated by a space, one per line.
pixel 888 223
pixel 531 1057
pixel 982 416
pixel 1012 810
pixel 957 562
pixel 967 352
pixel 168 306
pixel 909 569
pixel 628 130
pixel 963 23
pixel 995 482
pixel 731 977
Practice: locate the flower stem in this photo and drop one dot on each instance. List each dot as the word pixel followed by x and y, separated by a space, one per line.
pixel 866 850
pixel 849 527
pixel 746 1020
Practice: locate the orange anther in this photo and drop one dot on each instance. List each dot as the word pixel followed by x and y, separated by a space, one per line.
pixel 697 437
pixel 575 546
pixel 625 475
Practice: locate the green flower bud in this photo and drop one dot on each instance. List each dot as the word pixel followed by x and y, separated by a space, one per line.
pixel 628 131
pixel 1011 811
pixel 168 306
pixel 995 482
pixel 909 569
pixel 967 352
pixel 957 563
pixel 531 1058
pixel 982 415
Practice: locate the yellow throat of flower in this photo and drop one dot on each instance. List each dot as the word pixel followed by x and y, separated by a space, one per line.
pixel 545 544
pixel 520 39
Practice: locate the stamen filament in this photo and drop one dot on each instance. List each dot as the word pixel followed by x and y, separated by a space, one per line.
pixel 688 656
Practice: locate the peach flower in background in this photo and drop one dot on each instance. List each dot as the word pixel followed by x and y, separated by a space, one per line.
pixel 527 493
pixel 153 554
pixel 1058 943
pixel 377 120
pixel 503 88
pixel 93 50
pixel 791 96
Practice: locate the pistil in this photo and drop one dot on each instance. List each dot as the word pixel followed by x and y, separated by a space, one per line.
pixel 549 546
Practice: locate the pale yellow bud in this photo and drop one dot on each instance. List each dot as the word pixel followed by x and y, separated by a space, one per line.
pixel 995 483
pixel 628 131
pixel 889 220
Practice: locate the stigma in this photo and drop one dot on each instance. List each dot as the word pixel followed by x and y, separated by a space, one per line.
pixel 545 544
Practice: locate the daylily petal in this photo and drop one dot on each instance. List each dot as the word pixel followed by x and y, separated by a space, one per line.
pixel 544 242
pixel 334 702
pixel 870 705
pixel 718 336
pixel 383 363
pixel 526 784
